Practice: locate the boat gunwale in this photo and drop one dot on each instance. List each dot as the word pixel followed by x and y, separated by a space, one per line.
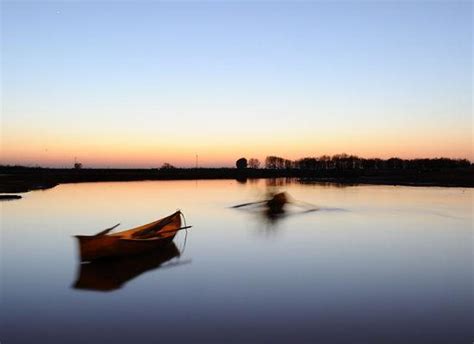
pixel 146 239
pixel 120 235
pixel 102 245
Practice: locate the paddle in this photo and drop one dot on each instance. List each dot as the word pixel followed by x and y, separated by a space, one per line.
pixel 247 204
pixel 158 234
pixel 174 230
pixel 306 205
pixel 173 264
pixel 291 200
pixel 105 231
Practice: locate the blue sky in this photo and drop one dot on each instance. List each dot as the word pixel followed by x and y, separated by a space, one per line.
pixel 162 80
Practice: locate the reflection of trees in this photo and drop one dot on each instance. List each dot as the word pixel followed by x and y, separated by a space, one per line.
pixel 278 182
pixel 241 180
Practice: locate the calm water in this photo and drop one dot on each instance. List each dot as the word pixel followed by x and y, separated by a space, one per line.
pixel 376 264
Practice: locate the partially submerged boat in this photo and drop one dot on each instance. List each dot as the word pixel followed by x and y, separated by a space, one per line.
pixel 152 236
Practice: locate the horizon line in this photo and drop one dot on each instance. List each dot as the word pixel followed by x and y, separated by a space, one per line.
pixel 189 166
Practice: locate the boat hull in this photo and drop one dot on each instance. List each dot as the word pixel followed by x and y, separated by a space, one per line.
pixel 96 248
pixel 93 247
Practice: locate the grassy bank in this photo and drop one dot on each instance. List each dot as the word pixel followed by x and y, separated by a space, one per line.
pixel 23 179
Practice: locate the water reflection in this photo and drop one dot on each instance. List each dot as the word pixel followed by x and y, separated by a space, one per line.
pixel 112 274
pixel 375 264
pixel 241 180
pixel 269 221
pixel 275 205
pixel 270 213
pixel 326 184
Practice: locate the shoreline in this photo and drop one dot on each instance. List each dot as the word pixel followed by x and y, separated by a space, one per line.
pixel 22 179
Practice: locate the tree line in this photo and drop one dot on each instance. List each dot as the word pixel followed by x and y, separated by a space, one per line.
pixel 351 162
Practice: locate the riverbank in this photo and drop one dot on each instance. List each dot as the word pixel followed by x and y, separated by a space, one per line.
pixel 22 179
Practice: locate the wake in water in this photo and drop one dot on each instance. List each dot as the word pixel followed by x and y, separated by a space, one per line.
pixel 280 205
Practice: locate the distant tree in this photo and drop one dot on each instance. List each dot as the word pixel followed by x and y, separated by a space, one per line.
pixel 353 162
pixel 254 163
pixel 280 163
pixel 394 163
pixel 270 162
pixel 241 163
pixel 77 164
pixel 325 161
pixel 274 162
pixel 166 166
pixel 306 163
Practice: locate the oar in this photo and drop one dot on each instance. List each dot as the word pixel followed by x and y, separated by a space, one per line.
pixel 305 205
pixel 158 234
pixel 247 204
pixel 172 264
pixel 301 204
pixel 160 223
pixel 174 230
pixel 105 231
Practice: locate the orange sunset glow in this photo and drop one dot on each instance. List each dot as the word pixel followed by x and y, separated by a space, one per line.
pixel 218 151
pixel 236 171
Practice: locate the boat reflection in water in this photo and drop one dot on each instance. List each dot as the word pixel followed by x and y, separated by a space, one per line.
pixel 111 274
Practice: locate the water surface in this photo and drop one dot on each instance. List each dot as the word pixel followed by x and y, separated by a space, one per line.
pixel 375 264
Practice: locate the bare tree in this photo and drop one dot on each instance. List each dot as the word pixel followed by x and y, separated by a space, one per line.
pixel 167 166
pixel 254 163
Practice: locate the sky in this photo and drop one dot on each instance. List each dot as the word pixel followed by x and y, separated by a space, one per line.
pixel 137 84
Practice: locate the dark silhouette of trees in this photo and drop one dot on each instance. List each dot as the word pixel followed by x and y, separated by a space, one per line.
pixel 307 164
pixel 395 163
pixel 274 162
pixel 167 166
pixel 254 163
pixel 241 163
pixel 345 162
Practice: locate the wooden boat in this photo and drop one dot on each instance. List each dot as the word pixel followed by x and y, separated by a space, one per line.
pixel 137 240
pixel 274 205
pixel 112 274
pixel 277 203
